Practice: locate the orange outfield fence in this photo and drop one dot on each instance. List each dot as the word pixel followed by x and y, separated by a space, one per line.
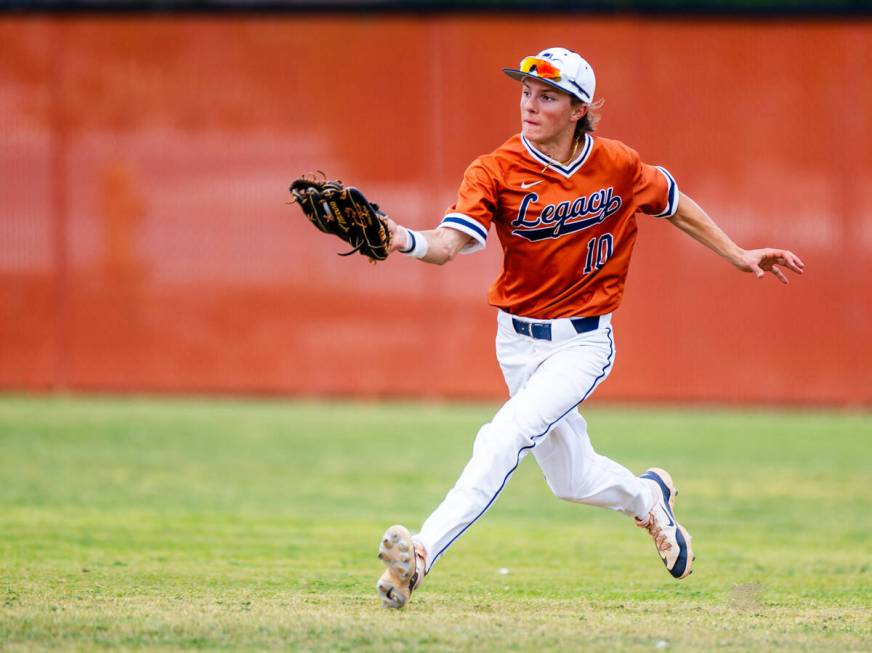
pixel 145 243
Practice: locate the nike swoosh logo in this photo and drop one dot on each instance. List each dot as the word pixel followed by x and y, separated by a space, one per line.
pixel 668 516
pixel 530 184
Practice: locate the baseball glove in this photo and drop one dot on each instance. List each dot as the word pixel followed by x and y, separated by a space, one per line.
pixel 344 212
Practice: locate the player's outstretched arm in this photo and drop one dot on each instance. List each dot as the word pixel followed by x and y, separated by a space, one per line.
pixel 442 244
pixel 692 220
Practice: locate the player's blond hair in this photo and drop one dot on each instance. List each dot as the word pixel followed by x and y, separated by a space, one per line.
pixel 591 118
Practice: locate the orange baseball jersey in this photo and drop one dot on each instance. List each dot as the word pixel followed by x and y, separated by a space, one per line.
pixel 567 231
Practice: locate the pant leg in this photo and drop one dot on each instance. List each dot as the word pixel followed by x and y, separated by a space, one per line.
pixel 575 472
pixel 566 375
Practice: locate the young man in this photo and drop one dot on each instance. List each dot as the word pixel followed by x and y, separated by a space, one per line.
pixel 563 205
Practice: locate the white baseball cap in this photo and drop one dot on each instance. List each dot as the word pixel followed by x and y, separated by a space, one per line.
pixel 560 68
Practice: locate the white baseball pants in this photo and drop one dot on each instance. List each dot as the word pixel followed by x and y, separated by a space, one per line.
pixel 547 379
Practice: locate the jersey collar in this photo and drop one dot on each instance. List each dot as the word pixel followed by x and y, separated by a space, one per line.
pixel 567 170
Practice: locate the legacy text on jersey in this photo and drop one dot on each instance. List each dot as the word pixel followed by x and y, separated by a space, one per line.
pixel 555 220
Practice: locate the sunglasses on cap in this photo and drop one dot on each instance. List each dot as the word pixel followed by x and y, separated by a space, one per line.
pixel 540 67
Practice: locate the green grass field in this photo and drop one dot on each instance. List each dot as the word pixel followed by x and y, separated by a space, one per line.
pixel 170 524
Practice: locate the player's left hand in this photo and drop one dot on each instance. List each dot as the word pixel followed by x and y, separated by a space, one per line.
pixel 761 261
pixel 399 236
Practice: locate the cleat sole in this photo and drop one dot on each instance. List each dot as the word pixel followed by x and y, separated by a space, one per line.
pixel 393 587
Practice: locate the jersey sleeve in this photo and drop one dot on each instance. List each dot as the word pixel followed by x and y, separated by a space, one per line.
pixel 655 191
pixel 473 211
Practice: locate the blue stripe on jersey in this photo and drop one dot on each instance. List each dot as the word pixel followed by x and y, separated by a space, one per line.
pixel 672 194
pixel 468 223
pixel 536 438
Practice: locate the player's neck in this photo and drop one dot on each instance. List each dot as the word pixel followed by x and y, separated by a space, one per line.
pixel 561 149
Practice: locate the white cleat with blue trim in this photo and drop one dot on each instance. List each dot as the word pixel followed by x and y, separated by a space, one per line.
pixel 406 565
pixel 673 542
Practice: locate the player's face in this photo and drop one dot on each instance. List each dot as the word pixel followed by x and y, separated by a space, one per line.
pixel 546 113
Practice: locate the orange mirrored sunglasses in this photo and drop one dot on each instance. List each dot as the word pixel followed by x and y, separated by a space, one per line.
pixel 540 67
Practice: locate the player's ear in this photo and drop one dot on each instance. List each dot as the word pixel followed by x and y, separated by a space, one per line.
pixel 579 111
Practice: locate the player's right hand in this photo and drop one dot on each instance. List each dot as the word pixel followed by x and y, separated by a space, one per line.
pixel 761 261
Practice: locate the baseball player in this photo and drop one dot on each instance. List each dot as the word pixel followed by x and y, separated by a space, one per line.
pixel 563 204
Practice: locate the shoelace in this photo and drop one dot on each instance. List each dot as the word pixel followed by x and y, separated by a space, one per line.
pixel 657 533
pixel 420 567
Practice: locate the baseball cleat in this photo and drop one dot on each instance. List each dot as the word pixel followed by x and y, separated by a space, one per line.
pixel 673 542
pixel 406 565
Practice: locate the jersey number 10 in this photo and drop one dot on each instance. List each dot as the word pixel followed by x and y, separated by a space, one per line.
pixel 599 250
